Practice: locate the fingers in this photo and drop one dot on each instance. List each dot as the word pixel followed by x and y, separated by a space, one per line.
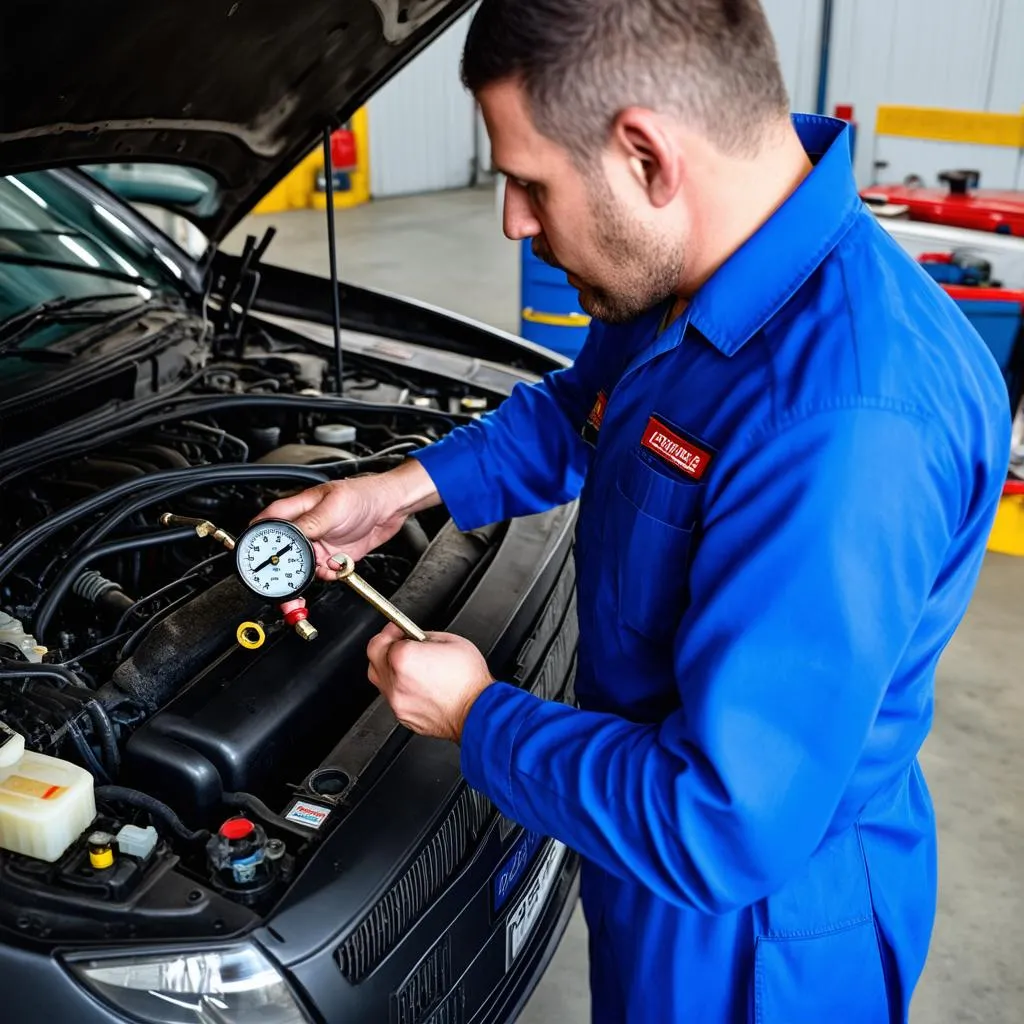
pixel 300 509
pixel 391 633
pixel 378 648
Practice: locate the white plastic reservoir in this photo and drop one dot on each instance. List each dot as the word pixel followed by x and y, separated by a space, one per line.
pixel 45 803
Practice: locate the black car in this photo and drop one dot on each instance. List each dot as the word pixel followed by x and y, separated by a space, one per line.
pixel 269 844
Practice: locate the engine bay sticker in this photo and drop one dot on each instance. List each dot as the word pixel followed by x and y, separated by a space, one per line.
pixel 310 815
pixel 31 787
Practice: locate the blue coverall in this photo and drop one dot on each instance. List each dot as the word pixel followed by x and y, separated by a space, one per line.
pixel 785 501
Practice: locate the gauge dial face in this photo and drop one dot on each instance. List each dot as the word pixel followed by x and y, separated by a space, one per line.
pixel 275 559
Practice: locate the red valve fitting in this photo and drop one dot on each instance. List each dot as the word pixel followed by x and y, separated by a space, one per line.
pixel 296 614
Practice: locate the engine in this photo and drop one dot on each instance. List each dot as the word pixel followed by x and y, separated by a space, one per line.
pixel 122 640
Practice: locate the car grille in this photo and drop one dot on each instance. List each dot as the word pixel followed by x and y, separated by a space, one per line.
pixel 427 985
pixel 546 665
pixel 451 1011
pixel 399 908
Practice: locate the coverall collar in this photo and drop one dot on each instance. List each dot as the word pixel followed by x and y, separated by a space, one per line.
pixel 763 274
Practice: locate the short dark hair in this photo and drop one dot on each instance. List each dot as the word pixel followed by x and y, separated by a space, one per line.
pixel 712 63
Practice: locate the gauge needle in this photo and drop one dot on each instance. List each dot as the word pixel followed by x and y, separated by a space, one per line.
pixel 273 559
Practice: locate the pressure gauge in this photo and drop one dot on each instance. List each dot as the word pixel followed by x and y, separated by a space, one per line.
pixel 275 560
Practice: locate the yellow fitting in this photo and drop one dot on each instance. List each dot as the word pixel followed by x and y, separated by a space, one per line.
pixel 251 636
pixel 101 851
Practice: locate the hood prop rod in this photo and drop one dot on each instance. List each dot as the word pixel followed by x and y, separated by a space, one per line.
pixel 332 251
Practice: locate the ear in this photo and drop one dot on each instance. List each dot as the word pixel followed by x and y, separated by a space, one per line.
pixel 639 137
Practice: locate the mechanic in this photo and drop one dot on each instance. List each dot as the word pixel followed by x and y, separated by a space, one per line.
pixel 788 447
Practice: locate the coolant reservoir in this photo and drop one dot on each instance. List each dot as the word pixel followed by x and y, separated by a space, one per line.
pixel 45 803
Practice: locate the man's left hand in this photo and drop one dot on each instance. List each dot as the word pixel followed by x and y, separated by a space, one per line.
pixel 430 686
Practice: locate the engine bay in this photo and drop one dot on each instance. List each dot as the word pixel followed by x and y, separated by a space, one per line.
pixel 131 649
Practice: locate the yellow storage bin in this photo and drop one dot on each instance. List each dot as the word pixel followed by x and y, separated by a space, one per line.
pixel 298 190
pixel 1008 532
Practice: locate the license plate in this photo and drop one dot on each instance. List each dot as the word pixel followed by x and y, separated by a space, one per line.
pixel 514 868
pixel 526 913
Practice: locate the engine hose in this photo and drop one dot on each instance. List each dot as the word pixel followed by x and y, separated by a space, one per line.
pixel 122 623
pixel 99 767
pixel 35 455
pixel 71 570
pixel 20 670
pixel 113 413
pixel 102 727
pixel 152 806
pixel 103 730
pixel 51 701
pixel 28 541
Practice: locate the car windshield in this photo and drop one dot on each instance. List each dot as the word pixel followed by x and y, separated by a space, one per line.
pixel 57 244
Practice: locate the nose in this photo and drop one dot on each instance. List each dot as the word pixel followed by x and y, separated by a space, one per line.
pixel 520 220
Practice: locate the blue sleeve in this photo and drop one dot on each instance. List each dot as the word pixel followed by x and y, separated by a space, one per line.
pixel 526 457
pixel 822 544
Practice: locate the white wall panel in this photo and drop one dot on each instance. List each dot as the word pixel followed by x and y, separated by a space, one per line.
pixel 423 123
pixel 936 53
pixel 1006 89
pixel 796 25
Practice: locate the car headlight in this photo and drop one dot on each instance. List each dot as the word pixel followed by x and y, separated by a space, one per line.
pixel 227 985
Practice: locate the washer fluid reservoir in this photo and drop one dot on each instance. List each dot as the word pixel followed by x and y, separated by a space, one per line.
pixel 45 803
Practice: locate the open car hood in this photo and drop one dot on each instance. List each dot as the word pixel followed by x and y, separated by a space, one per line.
pixel 239 89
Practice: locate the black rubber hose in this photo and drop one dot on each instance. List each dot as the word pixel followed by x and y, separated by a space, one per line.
pixel 76 704
pixel 37 454
pixel 103 729
pixel 143 601
pixel 85 752
pixel 26 542
pixel 26 669
pixel 71 570
pixel 56 702
pixel 153 807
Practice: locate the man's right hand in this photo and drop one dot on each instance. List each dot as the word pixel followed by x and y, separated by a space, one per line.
pixel 354 517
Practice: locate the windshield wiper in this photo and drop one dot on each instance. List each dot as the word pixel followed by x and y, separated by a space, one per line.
pixel 74 268
pixel 15 330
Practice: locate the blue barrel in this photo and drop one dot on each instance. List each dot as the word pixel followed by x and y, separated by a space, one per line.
pixel 1000 324
pixel 551 312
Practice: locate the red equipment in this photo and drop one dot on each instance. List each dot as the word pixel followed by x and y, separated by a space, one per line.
pixel 962 205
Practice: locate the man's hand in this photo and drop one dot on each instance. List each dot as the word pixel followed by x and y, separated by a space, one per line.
pixel 354 517
pixel 430 686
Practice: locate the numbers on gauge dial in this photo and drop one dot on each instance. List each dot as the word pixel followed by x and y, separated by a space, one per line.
pixel 275 560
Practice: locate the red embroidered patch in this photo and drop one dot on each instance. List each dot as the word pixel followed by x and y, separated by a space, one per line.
pixel 596 417
pixel 677 451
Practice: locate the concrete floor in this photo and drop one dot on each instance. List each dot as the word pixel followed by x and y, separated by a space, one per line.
pixel 448 250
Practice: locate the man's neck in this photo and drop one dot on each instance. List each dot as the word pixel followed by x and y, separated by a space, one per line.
pixel 737 197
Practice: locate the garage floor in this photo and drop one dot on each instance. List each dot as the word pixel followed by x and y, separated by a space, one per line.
pixel 448 250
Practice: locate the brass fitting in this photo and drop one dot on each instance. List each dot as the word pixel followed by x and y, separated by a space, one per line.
pixel 306 629
pixel 203 527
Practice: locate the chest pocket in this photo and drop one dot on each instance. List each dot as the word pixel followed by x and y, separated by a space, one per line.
pixel 653 521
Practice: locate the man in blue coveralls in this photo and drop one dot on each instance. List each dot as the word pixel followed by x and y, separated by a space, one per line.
pixel 788 447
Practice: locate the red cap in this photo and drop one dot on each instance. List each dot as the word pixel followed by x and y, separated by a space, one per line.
pixel 295 610
pixel 844 111
pixel 237 828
